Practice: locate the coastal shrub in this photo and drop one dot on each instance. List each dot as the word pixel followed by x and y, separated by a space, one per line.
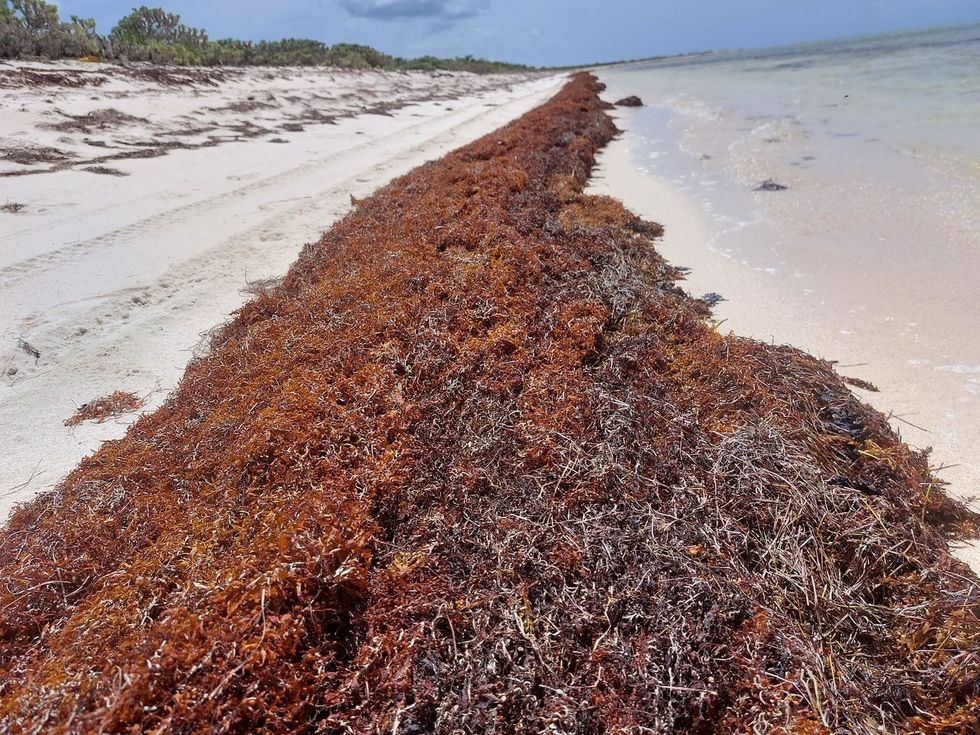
pixel 9 34
pixel 357 56
pixel 33 28
pixel 82 38
pixel 152 34
pixel 227 52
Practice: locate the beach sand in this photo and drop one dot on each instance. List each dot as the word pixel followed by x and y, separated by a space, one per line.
pixel 926 407
pixel 206 185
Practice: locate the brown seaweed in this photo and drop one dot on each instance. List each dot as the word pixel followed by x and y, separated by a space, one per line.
pixel 102 409
pixel 478 465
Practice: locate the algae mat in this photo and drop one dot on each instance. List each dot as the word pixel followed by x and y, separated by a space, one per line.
pixel 478 465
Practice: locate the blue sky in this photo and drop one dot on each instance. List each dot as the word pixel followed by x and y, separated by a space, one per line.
pixel 547 32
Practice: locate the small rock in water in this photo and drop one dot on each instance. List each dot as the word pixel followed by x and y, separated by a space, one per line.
pixel 631 101
pixel 770 185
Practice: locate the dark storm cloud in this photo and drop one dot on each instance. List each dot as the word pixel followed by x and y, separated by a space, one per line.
pixel 441 11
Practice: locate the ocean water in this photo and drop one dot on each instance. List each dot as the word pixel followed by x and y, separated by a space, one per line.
pixel 870 255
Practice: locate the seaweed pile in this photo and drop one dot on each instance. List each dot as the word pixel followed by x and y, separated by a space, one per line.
pixel 479 465
pixel 102 409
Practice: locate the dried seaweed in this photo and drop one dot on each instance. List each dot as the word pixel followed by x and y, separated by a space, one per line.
pixel 96 120
pixel 105 171
pixel 248 105
pixel 27 155
pixel 102 409
pixel 12 78
pixel 167 76
pixel 30 349
pixel 478 465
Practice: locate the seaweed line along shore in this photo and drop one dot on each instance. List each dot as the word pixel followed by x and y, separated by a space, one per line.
pixel 478 464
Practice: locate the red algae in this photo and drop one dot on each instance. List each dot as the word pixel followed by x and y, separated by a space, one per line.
pixel 478 465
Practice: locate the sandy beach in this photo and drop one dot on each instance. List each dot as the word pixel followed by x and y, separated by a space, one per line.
pixel 145 206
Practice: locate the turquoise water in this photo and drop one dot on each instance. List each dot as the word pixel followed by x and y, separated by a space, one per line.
pixel 901 110
pixel 912 87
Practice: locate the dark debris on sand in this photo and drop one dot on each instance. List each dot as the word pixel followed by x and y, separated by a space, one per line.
pixel 104 119
pixel 631 101
pixel 770 185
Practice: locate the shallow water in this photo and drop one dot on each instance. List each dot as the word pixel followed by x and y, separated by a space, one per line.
pixel 871 255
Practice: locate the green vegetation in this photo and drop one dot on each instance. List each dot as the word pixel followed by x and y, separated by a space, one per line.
pixel 33 29
pixel 152 34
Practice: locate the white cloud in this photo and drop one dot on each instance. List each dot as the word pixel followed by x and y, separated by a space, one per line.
pixel 441 11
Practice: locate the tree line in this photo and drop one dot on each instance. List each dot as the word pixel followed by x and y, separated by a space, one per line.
pixel 34 29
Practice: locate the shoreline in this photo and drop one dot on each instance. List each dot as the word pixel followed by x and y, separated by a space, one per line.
pixel 758 308
pixel 839 305
pixel 115 291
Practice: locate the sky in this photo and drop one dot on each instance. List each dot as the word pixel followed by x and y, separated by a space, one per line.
pixel 546 32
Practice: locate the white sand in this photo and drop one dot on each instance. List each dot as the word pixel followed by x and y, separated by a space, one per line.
pixel 114 279
pixel 771 309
